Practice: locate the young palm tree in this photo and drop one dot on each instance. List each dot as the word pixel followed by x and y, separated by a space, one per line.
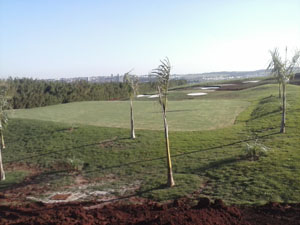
pixel 277 77
pixel 163 75
pixel 132 86
pixel 283 70
pixel 3 122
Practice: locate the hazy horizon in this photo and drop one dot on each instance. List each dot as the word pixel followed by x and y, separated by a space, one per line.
pixel 64 39
pixel 108 75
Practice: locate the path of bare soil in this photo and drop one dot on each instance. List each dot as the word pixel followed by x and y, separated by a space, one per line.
pixel 177 212
pixel 16 209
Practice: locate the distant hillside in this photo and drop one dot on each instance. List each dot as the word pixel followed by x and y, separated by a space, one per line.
pixel 296 79
pixel 224 75
pixel 190 78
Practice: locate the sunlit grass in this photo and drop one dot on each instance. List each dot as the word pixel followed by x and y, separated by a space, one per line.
pixel 211 163
pixel 182 115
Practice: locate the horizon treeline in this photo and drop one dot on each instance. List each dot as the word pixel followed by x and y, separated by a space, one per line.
pixel 30 93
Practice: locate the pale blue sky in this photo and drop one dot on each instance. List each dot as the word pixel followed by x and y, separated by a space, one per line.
pixel 68 38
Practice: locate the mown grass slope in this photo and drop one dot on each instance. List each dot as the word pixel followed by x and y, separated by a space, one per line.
pixel 210 163
pixel 182 115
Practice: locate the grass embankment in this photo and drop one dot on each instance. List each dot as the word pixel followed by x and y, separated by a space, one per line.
pixel 211 163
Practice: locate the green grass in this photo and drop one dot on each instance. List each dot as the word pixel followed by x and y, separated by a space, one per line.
pixel 209 162
pixel 13 178
pixel 182 115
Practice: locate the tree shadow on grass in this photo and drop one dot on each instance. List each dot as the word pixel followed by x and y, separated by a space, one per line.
pixel 179 110
pixel 100 168
pixel 103 142
pixel 37 179
pixel 52 175
pixel 49 153
pixel 48 134
pixel 218 164
pixel 264 114
pixel 138 193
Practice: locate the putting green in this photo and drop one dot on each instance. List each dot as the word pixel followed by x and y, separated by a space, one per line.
pixel 182 115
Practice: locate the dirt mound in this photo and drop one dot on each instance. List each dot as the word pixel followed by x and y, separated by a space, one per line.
pixel 178 212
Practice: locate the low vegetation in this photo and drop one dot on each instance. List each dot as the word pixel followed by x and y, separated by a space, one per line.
pixel 29 93
pixel 206 162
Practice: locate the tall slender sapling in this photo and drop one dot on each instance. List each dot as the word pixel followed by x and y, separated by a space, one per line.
pixel 283 70
pixel 3 122
pixel 163 75
pixel 131 81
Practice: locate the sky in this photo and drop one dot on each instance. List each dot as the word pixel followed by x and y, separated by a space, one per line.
pixel 70 38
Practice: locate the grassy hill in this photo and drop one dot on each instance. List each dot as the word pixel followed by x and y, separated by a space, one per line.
pixel 185 113
pixel 182 115
pixel 206 162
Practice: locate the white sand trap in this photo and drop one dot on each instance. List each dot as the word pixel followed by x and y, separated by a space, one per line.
pixel 210 88
pixel 251 81
pixel 141 96
pixel 197 94
pixel 224 85
pixel 153 96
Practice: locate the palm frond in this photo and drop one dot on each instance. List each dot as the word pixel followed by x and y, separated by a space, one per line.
pixel 132 82
pixel 283 70
pixel 162 74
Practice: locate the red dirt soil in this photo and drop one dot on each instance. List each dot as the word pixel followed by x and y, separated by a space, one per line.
pixel 178 212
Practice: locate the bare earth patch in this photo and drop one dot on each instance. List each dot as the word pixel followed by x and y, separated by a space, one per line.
pixel 180 211
pixel 86 202
pixel 60 196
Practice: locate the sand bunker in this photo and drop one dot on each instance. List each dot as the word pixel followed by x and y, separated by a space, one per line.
pixel 225 85
pixel 147 96
pixel 197 94
pixel 210 88
pixel 153 96
pixel 250 81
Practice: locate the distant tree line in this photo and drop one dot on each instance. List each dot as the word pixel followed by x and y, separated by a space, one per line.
pixel 29 93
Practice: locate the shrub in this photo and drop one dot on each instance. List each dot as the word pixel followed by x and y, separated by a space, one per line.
pixel 75 164
pixel 255 150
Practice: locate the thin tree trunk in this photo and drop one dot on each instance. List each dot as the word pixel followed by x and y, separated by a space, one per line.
pixel 2 173
pixel 132 121
pixel 171 182
pixel 2 139
pixel 282 129
pixel 279 89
